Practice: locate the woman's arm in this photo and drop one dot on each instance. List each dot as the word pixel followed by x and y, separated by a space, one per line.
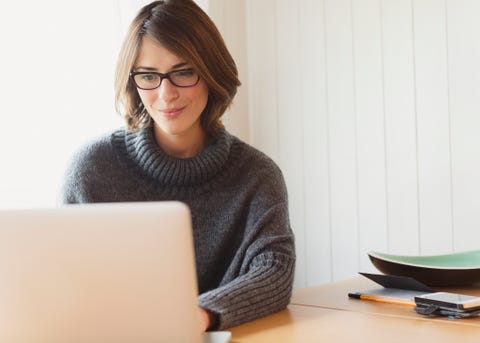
pixel 264 281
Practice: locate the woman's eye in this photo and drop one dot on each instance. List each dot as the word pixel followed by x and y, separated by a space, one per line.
pixel 185 73
pixel 149 77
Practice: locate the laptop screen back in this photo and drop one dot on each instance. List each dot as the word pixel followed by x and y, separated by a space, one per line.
pixel 98 273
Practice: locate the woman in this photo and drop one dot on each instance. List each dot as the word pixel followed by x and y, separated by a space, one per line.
pixel 175 78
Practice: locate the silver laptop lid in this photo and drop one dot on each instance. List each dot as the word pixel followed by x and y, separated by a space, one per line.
pixel 98 273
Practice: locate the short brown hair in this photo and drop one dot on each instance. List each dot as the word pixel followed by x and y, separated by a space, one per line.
pixel 183 28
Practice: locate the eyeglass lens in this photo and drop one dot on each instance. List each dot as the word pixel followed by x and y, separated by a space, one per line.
pixel 179 78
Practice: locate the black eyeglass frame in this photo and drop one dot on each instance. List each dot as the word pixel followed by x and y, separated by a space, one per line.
pixel 162 77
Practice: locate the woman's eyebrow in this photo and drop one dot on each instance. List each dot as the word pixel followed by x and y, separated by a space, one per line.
pixel 176 66
pixel 145 68
pixel 179 65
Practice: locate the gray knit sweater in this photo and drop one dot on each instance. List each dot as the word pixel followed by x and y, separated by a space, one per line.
pixel 237 196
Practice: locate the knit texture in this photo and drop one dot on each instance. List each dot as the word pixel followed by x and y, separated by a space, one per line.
pixel 238 200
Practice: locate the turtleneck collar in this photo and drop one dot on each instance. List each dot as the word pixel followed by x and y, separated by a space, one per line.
pixel 143 150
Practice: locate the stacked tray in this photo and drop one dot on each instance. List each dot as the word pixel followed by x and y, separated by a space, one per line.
pixel 450 270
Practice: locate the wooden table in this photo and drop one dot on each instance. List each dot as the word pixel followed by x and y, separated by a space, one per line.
pixel 326 314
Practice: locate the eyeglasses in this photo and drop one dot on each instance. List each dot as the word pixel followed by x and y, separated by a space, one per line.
pixel 149 80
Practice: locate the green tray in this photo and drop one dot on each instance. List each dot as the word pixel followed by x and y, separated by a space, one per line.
pixel 457 269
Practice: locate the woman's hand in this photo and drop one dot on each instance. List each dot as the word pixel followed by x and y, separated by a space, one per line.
pixel 205 319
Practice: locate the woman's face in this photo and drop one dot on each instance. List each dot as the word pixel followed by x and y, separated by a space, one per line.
pixel 175 111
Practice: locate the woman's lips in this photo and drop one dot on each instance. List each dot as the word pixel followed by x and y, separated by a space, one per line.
pixel 172 112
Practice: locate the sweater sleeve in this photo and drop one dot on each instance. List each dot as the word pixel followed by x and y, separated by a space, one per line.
pixel 264 282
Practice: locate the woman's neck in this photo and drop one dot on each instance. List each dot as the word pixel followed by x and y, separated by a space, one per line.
pixel 185 145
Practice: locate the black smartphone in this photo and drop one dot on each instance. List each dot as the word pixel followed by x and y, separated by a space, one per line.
pixel 447 300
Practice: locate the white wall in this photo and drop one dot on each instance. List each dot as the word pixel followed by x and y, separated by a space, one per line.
pixel 56 90
pixel 230 18
pixel 371 108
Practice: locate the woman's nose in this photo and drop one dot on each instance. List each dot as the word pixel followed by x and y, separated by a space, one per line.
pixel 167 91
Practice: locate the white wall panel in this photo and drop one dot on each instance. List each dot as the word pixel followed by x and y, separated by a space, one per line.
pixel 262 75
pixel 342 138
pixel 368 73
pixel 315 142
pixel 464 88
pixel 230 19
pixel 433 127
pixel 400 126
pixel 290 123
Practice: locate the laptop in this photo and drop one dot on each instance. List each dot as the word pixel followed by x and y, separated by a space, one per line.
pixel 103 273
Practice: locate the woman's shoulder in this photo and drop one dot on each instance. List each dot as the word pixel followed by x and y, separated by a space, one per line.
pixel 96 150
pixel 255 170
pixel 89 166
pixel 257 177
pixel 97 147
pixel 254 158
